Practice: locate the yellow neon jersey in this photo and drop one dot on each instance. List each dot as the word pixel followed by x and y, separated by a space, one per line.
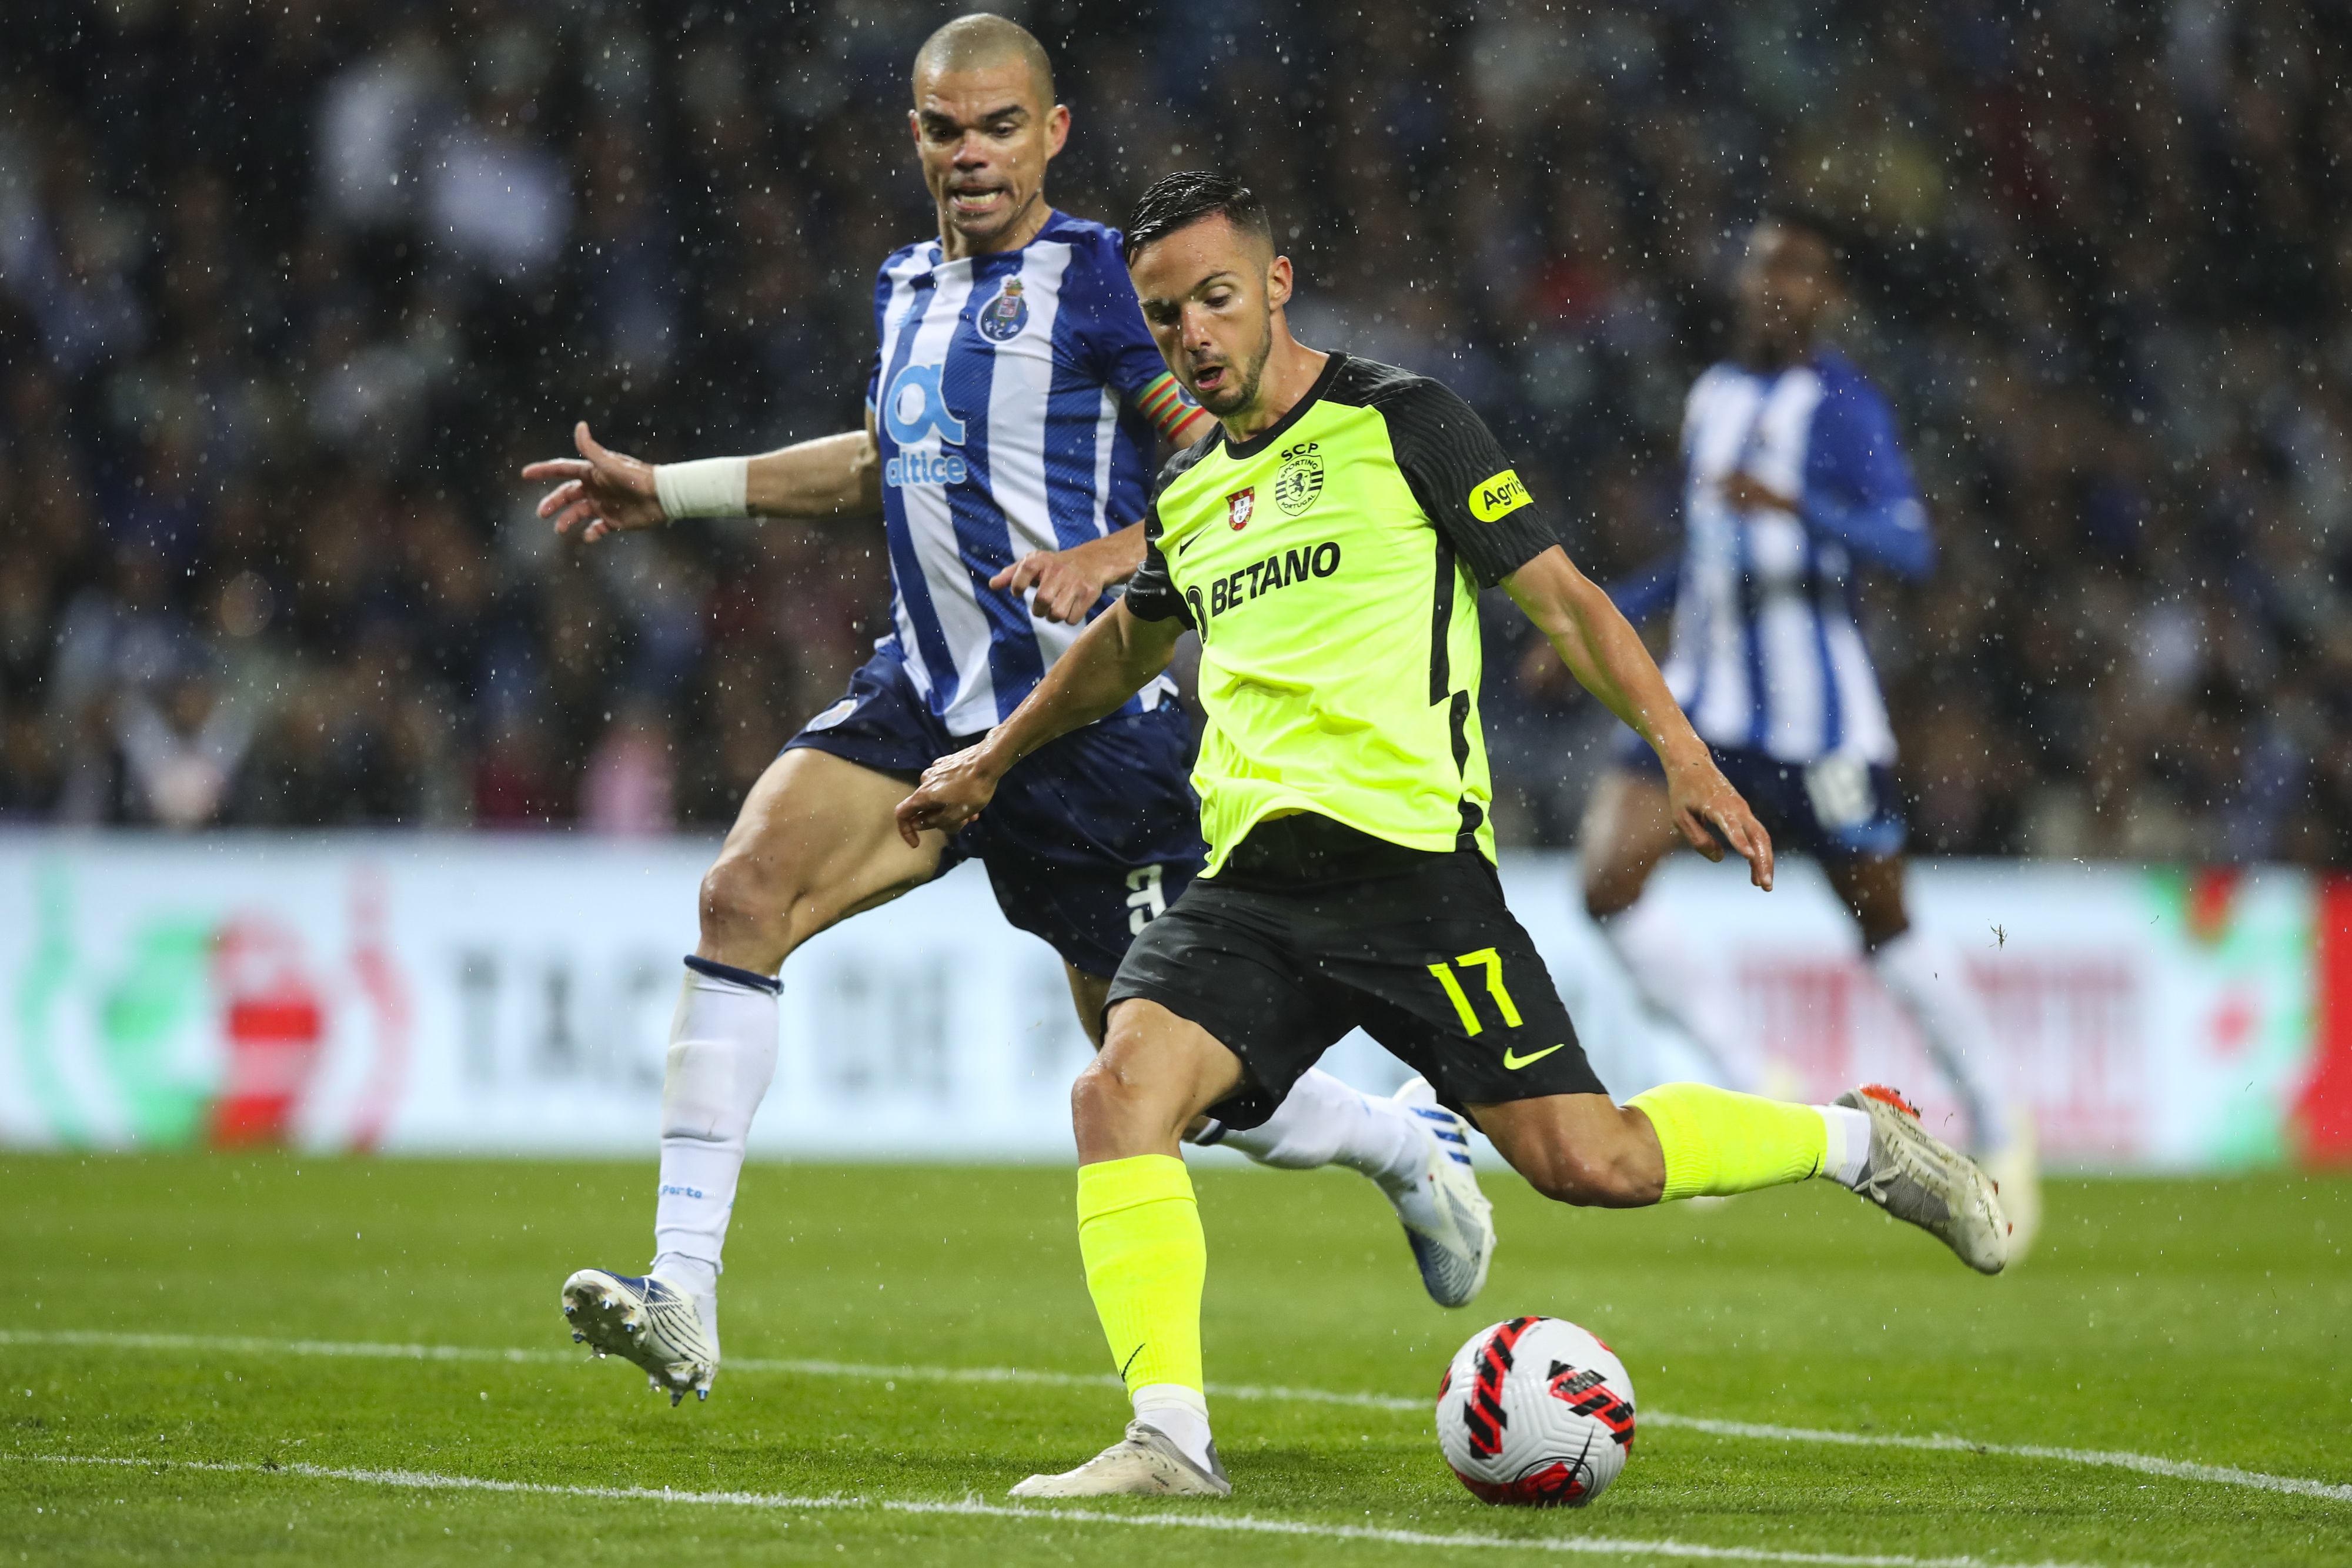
pixel 1331 565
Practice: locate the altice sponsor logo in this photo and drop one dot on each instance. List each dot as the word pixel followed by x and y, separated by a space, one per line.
pixel 915 412
pixel 923 468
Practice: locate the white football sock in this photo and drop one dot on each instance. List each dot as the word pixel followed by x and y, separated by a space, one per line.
pixel 1181 1413
pixel 692 1274
pixel 1849 1146
pixel 1663 981
pixel 1926 978
pixel 1323 1121
pixel 722 1054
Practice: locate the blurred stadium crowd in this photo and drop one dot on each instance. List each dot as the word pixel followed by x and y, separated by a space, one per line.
pixel 288 292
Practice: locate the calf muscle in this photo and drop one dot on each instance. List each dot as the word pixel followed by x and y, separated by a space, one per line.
pixel 1578 1148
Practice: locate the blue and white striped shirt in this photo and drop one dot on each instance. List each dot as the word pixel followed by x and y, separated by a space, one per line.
pixel 1016 399
pixel 1767 655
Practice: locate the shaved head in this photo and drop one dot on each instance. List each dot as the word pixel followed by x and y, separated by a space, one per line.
pixel 981 40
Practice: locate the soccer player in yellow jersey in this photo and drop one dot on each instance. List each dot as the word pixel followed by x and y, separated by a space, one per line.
pixel 1327 541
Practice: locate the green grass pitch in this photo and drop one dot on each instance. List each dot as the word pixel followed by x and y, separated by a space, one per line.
pixel 2206 1322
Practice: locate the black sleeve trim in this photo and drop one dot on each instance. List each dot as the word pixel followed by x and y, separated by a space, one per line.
pixel 1462 479
pixel 1152 593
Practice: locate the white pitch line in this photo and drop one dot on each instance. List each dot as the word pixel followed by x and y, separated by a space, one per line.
pixel 2145 1464
pixel 1234 1523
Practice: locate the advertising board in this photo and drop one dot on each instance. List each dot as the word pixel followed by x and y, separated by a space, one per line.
pixel 493 994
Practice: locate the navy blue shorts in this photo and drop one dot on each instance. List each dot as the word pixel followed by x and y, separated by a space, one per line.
pixel 1836 809
pixel 1089 837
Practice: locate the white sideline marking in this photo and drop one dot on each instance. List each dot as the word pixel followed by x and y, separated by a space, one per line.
pixel 1237 1524
pixel 2145 1464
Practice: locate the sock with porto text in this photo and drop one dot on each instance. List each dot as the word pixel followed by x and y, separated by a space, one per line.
pixel 722 1055
pixel 1147 1261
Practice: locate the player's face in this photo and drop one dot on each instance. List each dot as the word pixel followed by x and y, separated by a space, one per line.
pixel 984 138
pixel 1786 284
pixel 1209 292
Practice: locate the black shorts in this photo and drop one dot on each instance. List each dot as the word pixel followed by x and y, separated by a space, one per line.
pixel 1087 839
pixel 1834 809
pixel 1427 960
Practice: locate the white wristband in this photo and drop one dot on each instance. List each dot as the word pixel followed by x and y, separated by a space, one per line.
pixel 706 488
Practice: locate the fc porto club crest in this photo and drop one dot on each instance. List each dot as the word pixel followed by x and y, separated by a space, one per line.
pixel 1300 480
pixel 1239 506
pixel 1002 319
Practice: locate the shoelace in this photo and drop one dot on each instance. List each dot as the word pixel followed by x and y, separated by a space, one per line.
pixel 1903 1159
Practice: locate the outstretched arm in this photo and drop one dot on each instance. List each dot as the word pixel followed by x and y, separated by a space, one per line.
pixel 1606 655
pixel 611 492
pixel 1068 582
pixel 1111 661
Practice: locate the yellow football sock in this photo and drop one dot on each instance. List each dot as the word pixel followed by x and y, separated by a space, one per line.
pixel 1139 1233
pixel 1717 1141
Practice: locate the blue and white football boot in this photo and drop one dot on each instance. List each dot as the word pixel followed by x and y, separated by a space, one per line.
pixel 648 1321
pixel 1447 1219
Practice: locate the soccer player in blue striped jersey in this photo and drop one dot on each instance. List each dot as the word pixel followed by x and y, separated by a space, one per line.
pixel 1793 480
pixel 1012 411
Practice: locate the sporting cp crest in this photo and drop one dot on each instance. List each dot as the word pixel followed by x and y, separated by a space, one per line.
pixel 1300 480
pixel 1002 319
pixel 1239 506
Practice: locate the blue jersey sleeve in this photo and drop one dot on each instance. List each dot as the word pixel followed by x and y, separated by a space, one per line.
pixel 1116 345
pixel 1858 486
pixel 1648 589
pixel 881 311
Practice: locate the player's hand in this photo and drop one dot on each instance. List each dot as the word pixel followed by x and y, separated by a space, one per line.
pixel 1701 799
pixel 1067 583
pixel 610 491
pixel 952 792
pixel 1743 492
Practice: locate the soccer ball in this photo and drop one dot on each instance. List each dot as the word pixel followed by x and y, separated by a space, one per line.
pixel 1536 1413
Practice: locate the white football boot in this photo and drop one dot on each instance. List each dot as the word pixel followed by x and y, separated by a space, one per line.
pixel 2016 1172
pixel 1447 1220
pixel 647 1320
pixel 1914 1175
pixel 1142 1464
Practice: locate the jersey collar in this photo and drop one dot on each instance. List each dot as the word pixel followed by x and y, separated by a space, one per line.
pixel 1245 450
pixel 936 254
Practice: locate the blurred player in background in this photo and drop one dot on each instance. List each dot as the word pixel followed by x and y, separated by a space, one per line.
pixel 1793 479
pixel 1008 441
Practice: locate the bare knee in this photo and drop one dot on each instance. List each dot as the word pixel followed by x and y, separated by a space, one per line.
pixel 1605 895
pixel 1115 1115
pixel 1097 1095
pixel 1627 829
pixel 747 914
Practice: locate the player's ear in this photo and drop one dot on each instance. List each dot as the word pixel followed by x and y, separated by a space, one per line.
pixel 1057 129
pixel 1278 283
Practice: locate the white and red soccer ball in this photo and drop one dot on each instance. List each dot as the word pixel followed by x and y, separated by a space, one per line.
pixel 1536 1413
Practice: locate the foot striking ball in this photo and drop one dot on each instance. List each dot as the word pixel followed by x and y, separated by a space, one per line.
pixel 1536 1413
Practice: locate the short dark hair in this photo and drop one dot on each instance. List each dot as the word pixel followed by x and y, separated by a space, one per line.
pixel 1181 200
pixel 1841 239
